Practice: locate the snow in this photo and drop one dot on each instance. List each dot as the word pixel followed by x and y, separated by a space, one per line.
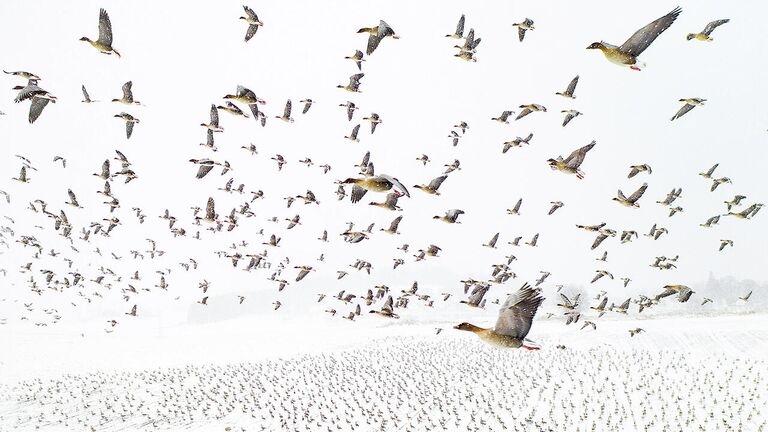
pixel 681 373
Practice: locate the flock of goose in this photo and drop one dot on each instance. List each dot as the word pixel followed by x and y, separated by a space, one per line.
pixel 79 271
pixel 520 307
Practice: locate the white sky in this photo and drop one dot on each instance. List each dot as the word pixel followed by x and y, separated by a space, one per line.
pixel 184 56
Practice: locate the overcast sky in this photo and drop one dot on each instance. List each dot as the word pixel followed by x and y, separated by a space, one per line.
pixel 183 56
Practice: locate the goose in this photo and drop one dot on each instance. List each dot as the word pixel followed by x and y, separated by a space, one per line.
pixel 571 164
pixel 514 322
pixel 637 169
pixel 704 35
pixel 354 83
pixel 632 200
pixel 129 122
pixel 213 126
pixel 104 42
pixel 127 98
pixel 392 229
pixel 690 103
pixel 627 54
pixel 286 117
pixel 451 216
pixel 253 22
pixel 459 32
pixel 357 57
pixel 433 186
pixel 307 105
pixel 522 27
pixel 377 34
pixel 353 135
pixel 86 97
pixel 387 310
pixel 375 120
pixel 390 203
pixel 529 108
pixel 233 109
pixel 708 174
pixel 570 115
pixel 516 209
pixel 568 93
pixel 379 183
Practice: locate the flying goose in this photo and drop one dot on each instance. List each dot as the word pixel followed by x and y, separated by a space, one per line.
pixel 248 97
pixel 705 34
pixel 516 209
pixel 529 108
pixel 350 106
pixel 709 172
pixel 374 119
pixel 286 117
pixel 718 181
pixel 570 115
pixel 253 22
pixel 393 226
pixel 379 183
pixel 459 33
pixel 632 200
pixel 232 109
pixel 683 293
pixel 354 83
pixel 390 203
pixel 514 322
pixel 690 103
pixel 522 27
pixel 433 186
pixel 86 97
pixel 213 126
pixel 636 169
pixel 555 205
pixel 571 164
pixel 451 216
pixel 627 53
pixel 377 34
pixel 492 243
pixel 129 122
pixel 387 310
pixel 104 42
pixel 353 135
pixel 517 142
pixel 127 98
pixel 357 58
pixel 307 105
pixel 503 117
pixel 568 93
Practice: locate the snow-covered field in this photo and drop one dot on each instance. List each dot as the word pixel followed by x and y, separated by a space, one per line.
pixel 680 374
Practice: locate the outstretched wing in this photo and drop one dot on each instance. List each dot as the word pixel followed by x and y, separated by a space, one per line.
pixel 644 37
pixel 638 193
pixel 437 181
pixel 373 43
pixel 357 193
pixel 682 111
pixel 517 312
pixel 202 171
pixel 210 210
pixel 36 108
pixel 105 29
pixel 572 86
pixel 395 223
pixel 713 25
pixel 577 157
pixel 397 184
